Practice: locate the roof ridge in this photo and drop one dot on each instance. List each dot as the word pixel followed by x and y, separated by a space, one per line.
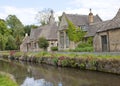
pixel 117 14
pixel 77 14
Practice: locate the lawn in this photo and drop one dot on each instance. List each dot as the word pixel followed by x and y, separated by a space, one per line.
pixel 5 80
pixel 65 54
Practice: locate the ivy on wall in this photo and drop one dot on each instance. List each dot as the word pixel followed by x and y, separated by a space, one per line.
pixel 74 33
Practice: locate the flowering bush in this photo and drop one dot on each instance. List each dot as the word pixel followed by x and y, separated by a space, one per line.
pixel 61 58
pixel 12 53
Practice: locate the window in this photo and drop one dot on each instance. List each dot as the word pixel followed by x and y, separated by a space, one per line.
pixel 52 44
pixel 67 41
pixel 83 27
pixel 62 39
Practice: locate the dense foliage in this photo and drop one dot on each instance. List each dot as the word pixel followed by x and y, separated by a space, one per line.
pixel 54 48
pixel 75 34
pixel 17 29
pixel 86 46
pixel 28 28
pixel 12 32
pixel 43 43
pixel 4 32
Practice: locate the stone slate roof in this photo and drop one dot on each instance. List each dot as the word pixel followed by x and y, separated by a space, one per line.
pixel 95 27
pixel 48 31
pixel 105 25
pixel 81 19
pixel 111 24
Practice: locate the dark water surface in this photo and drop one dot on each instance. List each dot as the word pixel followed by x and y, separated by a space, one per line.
pixel 28 74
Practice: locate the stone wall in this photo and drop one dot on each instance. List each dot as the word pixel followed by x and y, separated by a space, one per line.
pixel 96 64
pixel 114 40
pixel 97 41
pixel 52 44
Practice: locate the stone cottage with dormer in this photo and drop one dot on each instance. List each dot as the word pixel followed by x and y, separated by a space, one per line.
pixel 82 21
pixel 49 31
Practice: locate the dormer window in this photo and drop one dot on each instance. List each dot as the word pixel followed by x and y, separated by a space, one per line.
pixel 83 27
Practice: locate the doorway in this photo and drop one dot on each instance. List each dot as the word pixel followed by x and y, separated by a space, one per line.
pixel 104 43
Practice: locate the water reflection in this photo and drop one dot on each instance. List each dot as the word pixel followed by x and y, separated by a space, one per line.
pixel 40 82
pixel 56 76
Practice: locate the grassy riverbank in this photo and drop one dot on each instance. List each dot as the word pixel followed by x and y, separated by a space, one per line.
pixel 90 61
pixel 59 54
pixel 6 80
pixel 66 54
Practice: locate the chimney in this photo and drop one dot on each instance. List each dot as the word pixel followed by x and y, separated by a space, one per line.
pixel 91 17
pixel 52 19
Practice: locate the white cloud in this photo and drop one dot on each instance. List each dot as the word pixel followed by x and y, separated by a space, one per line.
pixel 104 8
pixel 26 15
pixel 95 3
pixel 105 14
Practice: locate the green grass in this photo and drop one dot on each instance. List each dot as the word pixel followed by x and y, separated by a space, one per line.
pixel 70 55
pixel 5 80
pixel 4 52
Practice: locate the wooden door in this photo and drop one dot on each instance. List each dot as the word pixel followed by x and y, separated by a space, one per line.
pixel 104 43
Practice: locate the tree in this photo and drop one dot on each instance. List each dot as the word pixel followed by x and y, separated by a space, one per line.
pixel 3 41
pixel 74 33
pixel 16 27
pixel 4 33
pixel 43 43
pixel 28 28
pixel 10 45
pixel 43 16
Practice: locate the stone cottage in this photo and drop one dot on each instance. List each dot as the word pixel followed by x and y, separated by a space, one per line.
pixel 107 36
pixel 49 31
pixel 82 21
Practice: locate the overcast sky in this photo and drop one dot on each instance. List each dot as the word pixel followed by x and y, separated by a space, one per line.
pixel 26 10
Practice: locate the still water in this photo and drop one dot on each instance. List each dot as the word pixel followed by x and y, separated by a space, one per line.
pixel 28 74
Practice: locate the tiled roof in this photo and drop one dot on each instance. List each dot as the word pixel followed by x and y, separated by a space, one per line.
pixel 104 26
pixel 111 24
pixel 48 31
pixel 81 19
pixel 95 27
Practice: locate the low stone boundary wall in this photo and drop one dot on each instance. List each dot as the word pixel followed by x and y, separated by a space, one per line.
pixel 96 64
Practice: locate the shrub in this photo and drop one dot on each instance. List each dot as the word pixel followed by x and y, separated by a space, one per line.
pixel 43 43
pixel 83 47
pixel 54 48
pixel 65 62
pixel 86 49
pixel 55 60
pixel 82 66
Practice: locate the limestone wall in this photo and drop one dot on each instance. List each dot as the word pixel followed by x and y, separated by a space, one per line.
pixel 96 64
pixel 52 44
pixel 114 40
pixel 97 41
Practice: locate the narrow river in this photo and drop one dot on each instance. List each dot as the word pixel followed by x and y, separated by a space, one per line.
pixel 28 74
